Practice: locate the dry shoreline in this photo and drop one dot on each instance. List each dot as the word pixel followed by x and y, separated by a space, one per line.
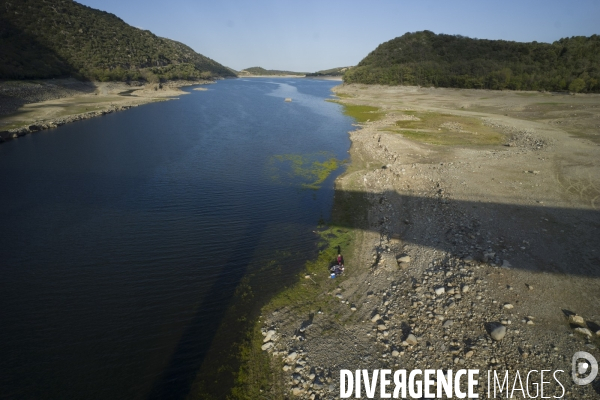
pixel 31 106
pixel 461 241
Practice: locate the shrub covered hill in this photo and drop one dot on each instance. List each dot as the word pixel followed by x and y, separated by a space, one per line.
pixel 426 59
pixel 339 71
pixel 260 71
pixel 57 38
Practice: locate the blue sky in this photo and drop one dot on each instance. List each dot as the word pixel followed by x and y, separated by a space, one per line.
pixel 312 35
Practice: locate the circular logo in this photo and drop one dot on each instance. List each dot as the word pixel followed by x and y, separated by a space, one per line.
pixel 580 368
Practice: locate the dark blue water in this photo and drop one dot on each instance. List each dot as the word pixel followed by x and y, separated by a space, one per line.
pixel 124 237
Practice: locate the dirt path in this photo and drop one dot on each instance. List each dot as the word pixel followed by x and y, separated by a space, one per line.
pixel 499 225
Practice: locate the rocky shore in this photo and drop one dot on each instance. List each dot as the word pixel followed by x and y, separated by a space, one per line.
pixel 479 257
pixel 32 106
pixel 56 122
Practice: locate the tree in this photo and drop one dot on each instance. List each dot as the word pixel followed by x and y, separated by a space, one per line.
pixel 577 85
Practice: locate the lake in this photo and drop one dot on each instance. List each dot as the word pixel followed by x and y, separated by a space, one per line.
pixel 124 237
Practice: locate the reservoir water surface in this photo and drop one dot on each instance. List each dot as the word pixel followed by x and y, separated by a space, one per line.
pixel 124 237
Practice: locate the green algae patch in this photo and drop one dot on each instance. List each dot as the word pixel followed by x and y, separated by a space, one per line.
pixel 308 294
pixel 359 112
pixel 310 169
pixel 344 95
pixel 446 129
pixel 259 375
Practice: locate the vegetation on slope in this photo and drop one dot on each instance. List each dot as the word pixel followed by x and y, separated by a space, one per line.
pixel 330 72
pixel 426 59
pixel 54 38
pixel 253 71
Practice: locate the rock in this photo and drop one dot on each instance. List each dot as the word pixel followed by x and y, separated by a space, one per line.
pixel 286 368
pixel 448 324
pixel 375 318
pixel 439 291
pixel 267 346
pixel 269 335
pixel 5 135
pixel 296 378
pixel 292 356
pixel 381 327
pixel 577 320
pixel 297 391
pixel 411 339
pixel 404 259
pixel 395 353
pixel 506 264
pixel 584 331
pixel 508 306
pixel 465 288
pixel 469 354
pixel 488 255
pixel 498 332
pixel 529 286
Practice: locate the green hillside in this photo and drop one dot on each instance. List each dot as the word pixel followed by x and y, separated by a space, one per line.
pixel 426 59
pixel 53 38
pixel 262 71
pixel 330 72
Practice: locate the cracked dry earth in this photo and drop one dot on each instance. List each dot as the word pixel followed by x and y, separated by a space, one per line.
pixel 461 243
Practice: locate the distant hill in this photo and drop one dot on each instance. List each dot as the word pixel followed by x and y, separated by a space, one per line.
pixel 330 72
pixel 259 71
pixel 426 59
pixel 54 38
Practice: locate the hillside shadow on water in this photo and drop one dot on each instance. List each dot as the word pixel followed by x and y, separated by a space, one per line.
pixel 542 239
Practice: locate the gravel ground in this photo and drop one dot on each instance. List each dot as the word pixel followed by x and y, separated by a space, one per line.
pixel 475 257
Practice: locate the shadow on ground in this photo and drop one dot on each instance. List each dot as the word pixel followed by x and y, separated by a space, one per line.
pixel 542 239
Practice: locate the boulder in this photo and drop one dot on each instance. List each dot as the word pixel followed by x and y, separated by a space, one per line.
pixel 497 332
pixel 577 320
pixel 411 339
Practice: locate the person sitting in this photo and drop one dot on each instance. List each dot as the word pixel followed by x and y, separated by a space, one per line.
pixel 340 259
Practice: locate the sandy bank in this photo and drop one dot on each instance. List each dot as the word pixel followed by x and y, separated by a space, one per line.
pixel 460 239
pixel 30 106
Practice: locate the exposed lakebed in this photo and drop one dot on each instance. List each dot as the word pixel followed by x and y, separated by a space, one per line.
pixel 126 236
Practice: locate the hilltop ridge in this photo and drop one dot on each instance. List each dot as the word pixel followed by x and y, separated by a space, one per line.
pixel 339 71
pixel 428 59
pixel 259 71
pixel 61 38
